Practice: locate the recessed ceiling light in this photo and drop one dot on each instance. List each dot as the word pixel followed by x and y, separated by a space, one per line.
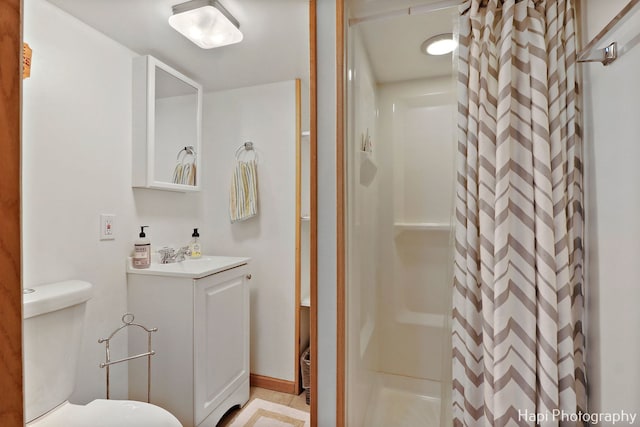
pixel 206 23
pixel 439 45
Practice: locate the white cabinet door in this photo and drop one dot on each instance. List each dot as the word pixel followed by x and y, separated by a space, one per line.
pixel 221 329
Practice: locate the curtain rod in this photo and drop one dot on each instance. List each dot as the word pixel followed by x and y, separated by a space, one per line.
pixel 412 10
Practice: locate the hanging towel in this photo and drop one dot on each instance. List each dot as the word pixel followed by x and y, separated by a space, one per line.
pixel 185 171
pixel 243 198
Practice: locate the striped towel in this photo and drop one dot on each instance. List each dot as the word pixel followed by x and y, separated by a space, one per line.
pixel 243 198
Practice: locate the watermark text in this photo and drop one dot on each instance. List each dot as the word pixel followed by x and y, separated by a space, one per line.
pixel 609 418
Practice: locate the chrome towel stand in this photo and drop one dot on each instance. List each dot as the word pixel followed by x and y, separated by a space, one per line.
pixel 127 320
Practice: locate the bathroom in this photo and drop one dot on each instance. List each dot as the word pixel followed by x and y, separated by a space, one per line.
pixel 77 115
pixel 77 162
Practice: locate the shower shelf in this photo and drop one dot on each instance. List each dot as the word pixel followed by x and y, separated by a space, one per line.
pixel 421 226
pixel 368 167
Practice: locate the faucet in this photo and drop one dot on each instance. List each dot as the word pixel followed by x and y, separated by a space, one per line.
pixel 170 255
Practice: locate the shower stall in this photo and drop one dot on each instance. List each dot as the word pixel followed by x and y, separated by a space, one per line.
pixel 400 180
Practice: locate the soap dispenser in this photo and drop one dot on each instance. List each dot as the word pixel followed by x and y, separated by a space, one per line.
pixel 142 250
pixel 194 246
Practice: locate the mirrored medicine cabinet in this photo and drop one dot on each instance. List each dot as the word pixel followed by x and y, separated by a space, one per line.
pixel 167 126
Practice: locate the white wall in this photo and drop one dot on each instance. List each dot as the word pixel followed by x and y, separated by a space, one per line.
pixel 612 210
pixel 77 164
pixel 265 115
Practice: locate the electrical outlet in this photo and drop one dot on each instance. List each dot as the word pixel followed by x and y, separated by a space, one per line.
pixel 107 227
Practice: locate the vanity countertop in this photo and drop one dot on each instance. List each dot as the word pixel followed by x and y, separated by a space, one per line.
pixel 192 268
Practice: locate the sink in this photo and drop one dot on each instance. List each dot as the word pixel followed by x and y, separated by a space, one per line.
pixel 201 259
pixel 193 268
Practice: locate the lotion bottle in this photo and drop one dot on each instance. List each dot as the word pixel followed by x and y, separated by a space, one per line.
pixel 142 250
pixel 194 245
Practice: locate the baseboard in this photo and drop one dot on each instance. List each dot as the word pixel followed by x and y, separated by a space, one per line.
pixel 275 384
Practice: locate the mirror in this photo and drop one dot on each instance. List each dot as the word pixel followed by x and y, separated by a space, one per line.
pixel 167 116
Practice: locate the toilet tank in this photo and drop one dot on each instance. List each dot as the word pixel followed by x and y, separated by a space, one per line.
pixel 53 325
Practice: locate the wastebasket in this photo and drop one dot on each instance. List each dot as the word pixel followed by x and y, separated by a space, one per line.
pixel 305 365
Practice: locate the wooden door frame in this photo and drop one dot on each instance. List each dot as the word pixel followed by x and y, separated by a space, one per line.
pixel 341 329
pixel 313 212
pixel 11 408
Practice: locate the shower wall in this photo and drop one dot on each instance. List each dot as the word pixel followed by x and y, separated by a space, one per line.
pixel 416 143
pixel 362 228
pixel 400 186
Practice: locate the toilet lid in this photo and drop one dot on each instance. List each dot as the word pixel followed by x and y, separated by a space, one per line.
pixel 107 413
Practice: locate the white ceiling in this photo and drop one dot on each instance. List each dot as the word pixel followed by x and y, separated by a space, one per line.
pixel 393 45
pixel 275 45
pixel 359 8
pixel 276 39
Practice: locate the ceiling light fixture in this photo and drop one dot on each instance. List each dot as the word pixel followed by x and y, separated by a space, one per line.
pixel 439 45
pixel 206 23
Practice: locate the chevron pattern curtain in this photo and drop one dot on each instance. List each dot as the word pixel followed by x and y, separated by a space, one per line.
pixel 518 343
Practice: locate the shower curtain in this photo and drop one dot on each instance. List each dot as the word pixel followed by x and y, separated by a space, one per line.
pixel 518 343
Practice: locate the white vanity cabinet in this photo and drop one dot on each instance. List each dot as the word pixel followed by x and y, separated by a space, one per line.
pixel 201 309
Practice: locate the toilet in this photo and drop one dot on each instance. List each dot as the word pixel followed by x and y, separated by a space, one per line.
pixel 53 326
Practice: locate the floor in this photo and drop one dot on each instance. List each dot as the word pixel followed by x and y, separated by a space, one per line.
pixel 290 400
pixel 399 408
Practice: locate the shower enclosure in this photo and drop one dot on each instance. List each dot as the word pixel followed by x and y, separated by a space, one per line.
pixel 400 169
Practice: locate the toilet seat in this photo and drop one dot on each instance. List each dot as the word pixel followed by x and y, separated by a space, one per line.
pixel 107 413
